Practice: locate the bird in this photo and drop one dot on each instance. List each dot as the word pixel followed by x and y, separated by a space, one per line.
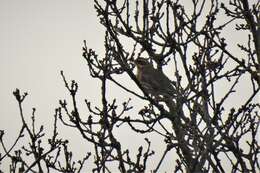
pixel 154 81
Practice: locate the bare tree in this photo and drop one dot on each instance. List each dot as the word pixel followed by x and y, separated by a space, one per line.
pixel 206 133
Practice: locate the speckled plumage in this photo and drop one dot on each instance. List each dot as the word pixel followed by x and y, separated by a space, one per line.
pixel 154 81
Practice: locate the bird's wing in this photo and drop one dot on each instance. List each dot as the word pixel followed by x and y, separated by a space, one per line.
pixel 164 81
pixel 157 83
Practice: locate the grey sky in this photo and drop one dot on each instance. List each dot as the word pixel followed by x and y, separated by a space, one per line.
pixel 37 40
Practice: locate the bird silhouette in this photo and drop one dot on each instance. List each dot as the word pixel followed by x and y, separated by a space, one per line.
pixel 154 81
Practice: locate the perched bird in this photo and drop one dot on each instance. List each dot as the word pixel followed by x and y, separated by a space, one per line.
pixel 153 81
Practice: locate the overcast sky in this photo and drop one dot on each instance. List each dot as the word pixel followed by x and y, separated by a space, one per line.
pixel 37 40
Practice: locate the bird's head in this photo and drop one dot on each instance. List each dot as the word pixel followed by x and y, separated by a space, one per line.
pixel 142 63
